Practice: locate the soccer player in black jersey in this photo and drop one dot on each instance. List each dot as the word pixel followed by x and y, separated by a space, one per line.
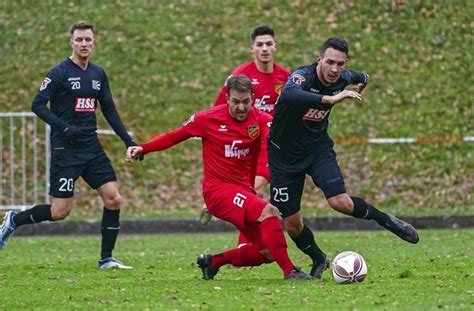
pixel 74 88
pixel 299 144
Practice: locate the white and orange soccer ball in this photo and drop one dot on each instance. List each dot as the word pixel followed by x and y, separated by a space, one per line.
pixel 349 267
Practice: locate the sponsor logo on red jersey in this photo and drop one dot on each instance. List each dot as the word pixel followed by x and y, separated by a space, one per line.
pixel 253 131
pixel 232 151
pixel 262 105
pixel 84 104
pixel 315 115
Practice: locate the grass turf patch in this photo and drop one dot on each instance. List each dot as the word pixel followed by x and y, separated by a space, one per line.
pixel 61 273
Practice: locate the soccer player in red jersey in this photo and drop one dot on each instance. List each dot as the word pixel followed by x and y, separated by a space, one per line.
pixel 267 79
pixel 232 136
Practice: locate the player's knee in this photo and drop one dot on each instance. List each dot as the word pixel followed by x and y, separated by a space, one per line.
pixel 342 203
pixel 113 202
pixel 294 228
pixel 269 211
pixel 293 224
pixel 60 212
pixel 267 255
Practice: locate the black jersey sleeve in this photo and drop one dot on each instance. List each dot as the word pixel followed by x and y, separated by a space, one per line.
pixel 294 91
pixel 110 112
pixel 355 77
pixel 50 85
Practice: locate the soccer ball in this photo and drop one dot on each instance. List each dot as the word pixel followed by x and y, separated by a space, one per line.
pixel 349 267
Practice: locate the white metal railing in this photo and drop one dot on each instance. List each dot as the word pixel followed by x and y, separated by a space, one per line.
pixel 24 161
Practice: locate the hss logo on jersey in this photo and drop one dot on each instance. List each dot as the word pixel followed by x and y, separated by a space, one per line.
pixel 315 115
pixel 84 104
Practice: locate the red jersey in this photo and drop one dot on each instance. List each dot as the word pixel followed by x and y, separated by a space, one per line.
pixel 230 149
pixel 266 86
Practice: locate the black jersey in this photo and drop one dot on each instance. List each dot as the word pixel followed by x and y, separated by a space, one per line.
pixel 74 94
pixel 301 119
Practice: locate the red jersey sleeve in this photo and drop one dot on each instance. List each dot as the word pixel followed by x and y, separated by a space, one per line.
pixel 190 128
pixel 165 140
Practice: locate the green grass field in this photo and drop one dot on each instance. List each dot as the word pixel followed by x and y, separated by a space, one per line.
pixel 61 274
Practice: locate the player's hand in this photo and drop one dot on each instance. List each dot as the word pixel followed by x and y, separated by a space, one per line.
pixel 345 94
pixel 132 143
pixel 72 133
pixel 134 153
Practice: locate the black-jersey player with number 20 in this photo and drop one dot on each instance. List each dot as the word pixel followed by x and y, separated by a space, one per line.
pixel 75 87
pixel 299 145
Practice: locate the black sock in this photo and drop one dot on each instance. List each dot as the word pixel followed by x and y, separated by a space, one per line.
pixel 109 228
pixel 307 244
pixel 37 213
pixel 364 210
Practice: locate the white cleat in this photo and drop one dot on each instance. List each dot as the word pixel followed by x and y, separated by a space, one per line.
pixel 110 263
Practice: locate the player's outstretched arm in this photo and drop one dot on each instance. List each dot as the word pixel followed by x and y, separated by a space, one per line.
pixel 341 96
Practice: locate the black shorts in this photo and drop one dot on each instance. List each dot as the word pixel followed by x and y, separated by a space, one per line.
pixel 287 179
pixel 67 165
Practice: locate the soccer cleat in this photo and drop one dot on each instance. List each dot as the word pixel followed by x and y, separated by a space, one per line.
pixel 7 229
pixel 297 274
pixel 317 269
pixel 402 229
pixel 208 271
pixel 205 217
pixel 110 263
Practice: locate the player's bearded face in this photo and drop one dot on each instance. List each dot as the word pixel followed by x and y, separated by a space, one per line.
pixel 263 48
pixel 331 65
pixel 240 104
pixel 82 43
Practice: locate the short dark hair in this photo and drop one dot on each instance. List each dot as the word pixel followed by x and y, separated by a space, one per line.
pixel 240 83
pixel 82 25
pixel 261 30
pixel 337 43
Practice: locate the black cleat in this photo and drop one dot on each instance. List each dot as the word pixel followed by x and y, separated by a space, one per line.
pixel 319 267
pixel 208 271
pixel 402 229
pixel 297 274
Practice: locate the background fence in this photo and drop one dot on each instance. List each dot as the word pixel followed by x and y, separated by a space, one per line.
pixel 24 160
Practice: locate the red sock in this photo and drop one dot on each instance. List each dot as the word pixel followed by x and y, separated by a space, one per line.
pixel 247 255
pixel 224 258
pixel 274 239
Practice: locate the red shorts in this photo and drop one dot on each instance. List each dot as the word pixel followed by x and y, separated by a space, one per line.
pixel 239 206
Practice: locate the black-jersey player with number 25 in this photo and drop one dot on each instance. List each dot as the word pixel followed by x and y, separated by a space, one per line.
pixel 299 145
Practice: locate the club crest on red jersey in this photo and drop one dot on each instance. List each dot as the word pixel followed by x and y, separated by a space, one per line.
pixel 253 131
pixel 278 88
